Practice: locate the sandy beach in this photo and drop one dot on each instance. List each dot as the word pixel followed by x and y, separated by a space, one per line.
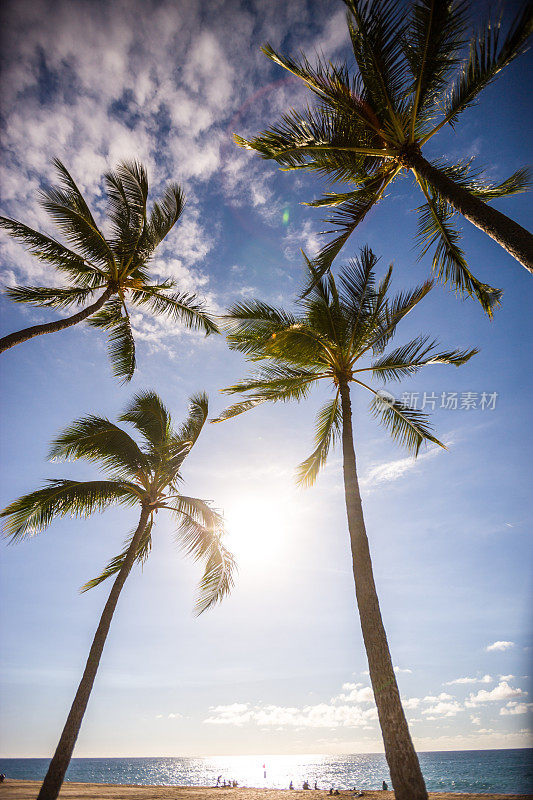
pixel 27 790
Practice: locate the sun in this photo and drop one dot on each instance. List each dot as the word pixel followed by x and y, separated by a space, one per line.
pixel 259 524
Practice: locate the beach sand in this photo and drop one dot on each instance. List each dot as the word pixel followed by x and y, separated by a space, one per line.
pixel 27 790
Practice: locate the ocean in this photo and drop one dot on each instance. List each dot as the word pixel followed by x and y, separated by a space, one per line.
pixel 483 771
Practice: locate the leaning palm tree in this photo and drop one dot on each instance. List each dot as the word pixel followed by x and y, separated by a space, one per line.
pixel 147 476
pixel 339 335
pixel 114 269
pixel 369 126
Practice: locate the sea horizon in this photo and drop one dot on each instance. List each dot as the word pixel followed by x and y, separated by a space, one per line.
pixel 502 770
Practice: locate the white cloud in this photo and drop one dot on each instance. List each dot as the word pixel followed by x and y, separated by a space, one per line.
pixel 400 671
pixel 499 646
pixel 513 707
pixel 321 715
pixel 304 238
pixel 460 681
pixel 443 709
pixel 430 698
pixel 393 470
pixel 500 692
pixel 347 709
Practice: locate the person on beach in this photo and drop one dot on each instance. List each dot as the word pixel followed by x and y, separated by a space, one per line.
pixel 218 780
pixel 384 786
pixel 316 787
pixel 306 785
pixel 291 785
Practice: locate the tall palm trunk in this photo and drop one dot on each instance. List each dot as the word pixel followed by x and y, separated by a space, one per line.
pixel 406 775
pixel 59 763
pixel 509 234
pixel 51 327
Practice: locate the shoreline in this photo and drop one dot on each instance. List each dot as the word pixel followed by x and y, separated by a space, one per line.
pixel 13 789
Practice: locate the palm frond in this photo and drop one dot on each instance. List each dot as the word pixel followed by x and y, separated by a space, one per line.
pixel 205 544
pixel 34 512
pixel 121 348
pixel 190 430
pixel 96 439
pixel 487 57
pixel 432 44
pixel 70 212
pixel 197 510
pixel 328 429
pixel 350 213
pixel 411 357
pixel 182 307
pixel 408 426
pixel 388 312
pixel 464 174
pixel 449 262
pixel 275 383
pixel 252 324
pixel 377 31
pixel 165 213
pixel 46 297
pixel 45 248
pixel 115 565
pixel 150 416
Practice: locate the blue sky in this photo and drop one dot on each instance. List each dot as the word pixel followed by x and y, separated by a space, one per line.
pixel 280 666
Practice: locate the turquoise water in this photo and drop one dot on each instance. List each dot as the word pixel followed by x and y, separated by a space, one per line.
pixel 506 771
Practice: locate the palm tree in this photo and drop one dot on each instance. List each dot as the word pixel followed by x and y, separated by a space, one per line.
pixel 339 335
pixel 114 268
pixel 147 476
pixel 368 128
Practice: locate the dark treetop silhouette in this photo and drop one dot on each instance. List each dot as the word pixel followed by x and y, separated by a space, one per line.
pixel 115 269
pixel 339 335
pixel 368 127
pixel 148 476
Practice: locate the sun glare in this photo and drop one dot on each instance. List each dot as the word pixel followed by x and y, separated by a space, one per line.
pixel 259 525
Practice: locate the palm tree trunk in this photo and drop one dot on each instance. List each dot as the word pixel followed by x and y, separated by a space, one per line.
pixel 59 763
pixel 406 775
pixel 51 327
pixel 509 234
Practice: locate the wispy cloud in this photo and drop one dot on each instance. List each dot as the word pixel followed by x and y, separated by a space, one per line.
pixel 460 681
pixel 393 470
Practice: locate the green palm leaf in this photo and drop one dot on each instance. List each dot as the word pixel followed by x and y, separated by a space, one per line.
pixel 328 429
pixel 34 512
pixel 408 426
pixel 432 45
pixel 96 439
pixel 486 59
pixel 45 248
pixel 411 357
pixel 114 566
pixel 50 297
pixel 449 262
pixel 204 544
pixel 150 416
pixel 181 306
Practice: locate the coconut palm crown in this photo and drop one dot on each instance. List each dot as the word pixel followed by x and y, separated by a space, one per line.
pixel 340 337
pixel 368 127
pixel 114 268
pixel 146 476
